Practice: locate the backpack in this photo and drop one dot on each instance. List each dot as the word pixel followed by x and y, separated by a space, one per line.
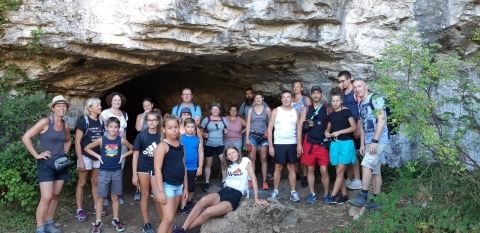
pixel 87 123
pixel 392 126
pixel 195 107
pixel 208 122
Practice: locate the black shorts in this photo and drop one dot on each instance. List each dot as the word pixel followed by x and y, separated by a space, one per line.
pixel 145 165
pixel 191 178
pixel 285 153
pixel 356 142
pixel 231 195
pixel 213 150
pixel 45 173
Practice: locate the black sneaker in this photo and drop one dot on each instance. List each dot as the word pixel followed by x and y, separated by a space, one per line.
pixel 340 199
pixel 184 211
pixel 147 228
pixel 304 182
pixel 206 186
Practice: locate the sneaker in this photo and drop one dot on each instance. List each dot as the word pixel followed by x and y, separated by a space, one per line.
pixel 189 205
pixel 81 215
pixel 274 195
pixel 178 229
pixel 97 227
pixel 372 205
pixel 147 228
pixel 328 199
pixel 311 198
pixel 40 230
pixel 332 200
pixel 355 184
pixel 136 197
pixel 50 227
pixel 340 199
pixel 304 182
pixel 347 182
pixel 360 200
pixel 265 186
pixel 294 197
pixel 106 202
pixel 206 186
pixel 117 225
pixel 121 201
pixel 184 211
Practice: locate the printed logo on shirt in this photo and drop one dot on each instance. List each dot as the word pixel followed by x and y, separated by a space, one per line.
pixel 111 150
pixel 236 172
pixel 150 150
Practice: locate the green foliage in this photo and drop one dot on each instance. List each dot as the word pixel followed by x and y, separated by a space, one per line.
pixel 15 220
pixel 34 46
pixel 8 5
pixel 15 78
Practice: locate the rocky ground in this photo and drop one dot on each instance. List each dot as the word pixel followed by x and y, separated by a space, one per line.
pixel 284 216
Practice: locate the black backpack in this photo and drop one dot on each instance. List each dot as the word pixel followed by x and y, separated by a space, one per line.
pixel 392 126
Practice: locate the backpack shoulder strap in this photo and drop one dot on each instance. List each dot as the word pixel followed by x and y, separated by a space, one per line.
pixel 370 101
pixel 87 123
pixel 208 122
pixel 177 108
pixel 125 115
pixel 223 121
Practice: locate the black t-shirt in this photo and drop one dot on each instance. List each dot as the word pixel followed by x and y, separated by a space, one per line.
pixel 316 134
pixel 339 121
pixel 146 143
pixel 95 130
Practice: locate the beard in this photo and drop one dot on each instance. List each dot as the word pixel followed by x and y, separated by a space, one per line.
pixel 248 101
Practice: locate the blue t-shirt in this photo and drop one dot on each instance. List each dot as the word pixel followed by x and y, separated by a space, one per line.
pixel 93 132
pixel 190 145
pixel 214 130
pixel 196 111
pixel 111 151
pixel 369 118
pixel 350 103
pixel 145 143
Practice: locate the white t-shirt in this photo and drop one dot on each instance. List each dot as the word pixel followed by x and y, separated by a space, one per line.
pixel 107 113
pixel 237 175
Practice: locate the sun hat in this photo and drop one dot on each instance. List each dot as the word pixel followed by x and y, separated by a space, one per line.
pixel 59 99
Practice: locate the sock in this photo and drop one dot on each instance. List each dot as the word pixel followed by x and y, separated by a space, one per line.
pixel 314 194
pixel 116 219
pixel 78 210
pixel 293 191
pixel 275 190
pixel 98 222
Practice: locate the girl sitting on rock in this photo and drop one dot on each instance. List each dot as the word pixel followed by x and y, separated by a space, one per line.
pixel 228 198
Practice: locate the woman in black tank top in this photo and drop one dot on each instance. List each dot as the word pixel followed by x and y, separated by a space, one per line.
pixel 54 140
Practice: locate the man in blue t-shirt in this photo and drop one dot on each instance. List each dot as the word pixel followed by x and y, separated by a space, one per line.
pixel 373 140
pixel 187 97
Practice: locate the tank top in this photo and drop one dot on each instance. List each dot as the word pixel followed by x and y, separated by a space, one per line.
pixel 173 171
pixel 234 129
pixel 53 140
pixel 300 105
pixel 111 150
pixel 259 122
pixel 285 126
pixel 190 145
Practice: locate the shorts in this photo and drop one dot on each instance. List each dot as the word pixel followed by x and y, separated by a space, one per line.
pixel 357 143
pixel 285 153
pixel 231 195
pixel 145 165
pixel 213 150
pixel 172 191
pixel 314 153
pixel 90 163
pixel 257 144
pixel 373 161
pixel 110 180
pixel 191 178
pixel 342 152
pixel 46 174
pixel 237 143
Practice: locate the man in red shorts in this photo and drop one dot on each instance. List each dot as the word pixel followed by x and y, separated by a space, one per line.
pixel 312 124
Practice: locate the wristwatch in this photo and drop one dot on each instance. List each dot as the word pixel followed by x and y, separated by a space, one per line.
pixel 374 140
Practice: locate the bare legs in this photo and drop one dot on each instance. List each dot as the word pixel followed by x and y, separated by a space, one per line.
pixel 49 192
pixel 209 206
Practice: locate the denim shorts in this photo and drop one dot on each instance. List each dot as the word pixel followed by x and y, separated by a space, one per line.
pixel 172 191
pixel 257 144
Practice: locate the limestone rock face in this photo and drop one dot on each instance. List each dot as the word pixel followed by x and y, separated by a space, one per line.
pixel 218 47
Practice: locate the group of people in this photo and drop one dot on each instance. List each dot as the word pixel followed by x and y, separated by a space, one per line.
pixel 171 151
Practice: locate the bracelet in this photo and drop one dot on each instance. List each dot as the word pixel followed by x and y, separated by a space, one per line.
pixel 374 140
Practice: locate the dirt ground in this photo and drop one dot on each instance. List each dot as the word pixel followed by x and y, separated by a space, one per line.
pixel 316 217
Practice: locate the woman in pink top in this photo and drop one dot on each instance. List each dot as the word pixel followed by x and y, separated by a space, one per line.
pixel 235 129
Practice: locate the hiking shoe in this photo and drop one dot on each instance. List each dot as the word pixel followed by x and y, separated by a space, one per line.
pixel 147 228
pixel 50 227
pixel 206 186
pixel 360 200
pixel 40 230
pixel 106 202
pixel 97 227
pixel 355 184
pixel 265 186
pixel 81 215
pixel 121 201
pixel 372 205
pixel 294 197
pixel 117 225
pixel 274 195
pixel 304 182
pixel 311 198
pixel 340 199
pixel 178 229
pixel 328 200
pixel 136 197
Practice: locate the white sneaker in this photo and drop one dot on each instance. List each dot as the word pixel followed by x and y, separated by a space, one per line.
pixel 355 184
pixel 294 197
